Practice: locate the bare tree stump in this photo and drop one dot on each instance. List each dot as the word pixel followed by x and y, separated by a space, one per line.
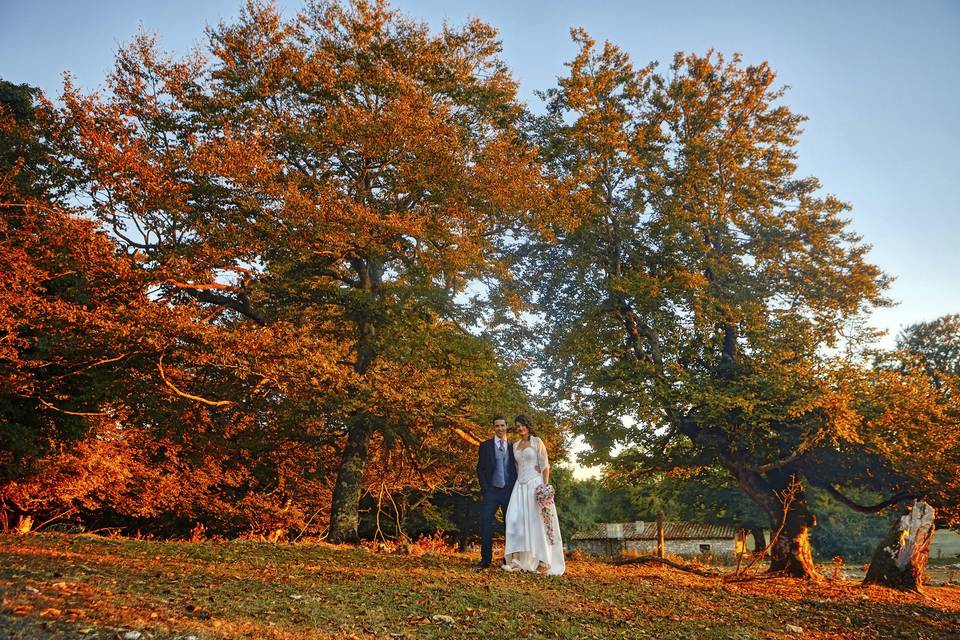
pixel 901 558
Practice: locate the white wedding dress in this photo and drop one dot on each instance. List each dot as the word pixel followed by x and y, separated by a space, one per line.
pixel 528 546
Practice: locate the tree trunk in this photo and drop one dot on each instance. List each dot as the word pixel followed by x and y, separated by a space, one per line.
pixel 345 508
pixel 759 539
pixel 900 560
pixel 461 510
pixel 790 553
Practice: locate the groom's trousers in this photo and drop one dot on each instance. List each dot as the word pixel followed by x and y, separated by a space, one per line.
pixel 493 498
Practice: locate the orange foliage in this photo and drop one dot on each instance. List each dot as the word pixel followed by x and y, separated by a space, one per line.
pixel 277 240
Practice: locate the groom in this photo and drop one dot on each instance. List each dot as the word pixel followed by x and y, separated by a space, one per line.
pixel 497 472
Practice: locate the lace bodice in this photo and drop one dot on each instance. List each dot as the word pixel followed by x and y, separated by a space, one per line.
pixel 531 460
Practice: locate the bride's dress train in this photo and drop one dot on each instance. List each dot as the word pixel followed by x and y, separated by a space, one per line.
pixel 528 542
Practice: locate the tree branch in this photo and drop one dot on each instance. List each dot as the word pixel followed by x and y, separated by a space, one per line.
pixel 71 413
pixel 637 328
pixel 345 279
pixel 183 394
pixel 900 497
pixel 202 287
pixel 240 305
pixel 801 449
pixel 469 439
pixel 95 364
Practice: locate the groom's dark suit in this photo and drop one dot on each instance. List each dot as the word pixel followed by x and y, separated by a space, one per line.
pixel 493 496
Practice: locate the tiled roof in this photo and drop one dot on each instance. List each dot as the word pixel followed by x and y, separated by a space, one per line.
pixel 648 531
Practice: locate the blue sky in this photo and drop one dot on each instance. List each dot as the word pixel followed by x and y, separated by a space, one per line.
pixel 878 79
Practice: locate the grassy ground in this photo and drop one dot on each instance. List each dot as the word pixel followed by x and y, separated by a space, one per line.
pixel 81 586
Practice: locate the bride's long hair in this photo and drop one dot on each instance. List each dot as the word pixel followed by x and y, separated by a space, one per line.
pixel 525 420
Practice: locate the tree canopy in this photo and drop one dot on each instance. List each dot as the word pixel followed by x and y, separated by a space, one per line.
pixel 309 200
pixel 705 306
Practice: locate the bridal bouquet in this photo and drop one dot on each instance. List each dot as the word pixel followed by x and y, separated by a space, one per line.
pixel 544 495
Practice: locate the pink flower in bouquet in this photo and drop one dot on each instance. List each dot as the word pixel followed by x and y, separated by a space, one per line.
pixel 544 495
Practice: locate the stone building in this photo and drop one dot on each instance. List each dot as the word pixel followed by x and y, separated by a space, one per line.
pixel 687 539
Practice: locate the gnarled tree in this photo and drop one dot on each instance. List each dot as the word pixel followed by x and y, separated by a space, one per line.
pixel 701 306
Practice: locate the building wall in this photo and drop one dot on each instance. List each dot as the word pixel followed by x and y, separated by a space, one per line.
pixel 685 548
pixel 599 546
pixel 719 549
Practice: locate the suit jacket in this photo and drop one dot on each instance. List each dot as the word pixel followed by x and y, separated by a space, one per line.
pixel 487 465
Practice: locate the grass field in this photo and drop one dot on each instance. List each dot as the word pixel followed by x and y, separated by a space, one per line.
pixel 82 586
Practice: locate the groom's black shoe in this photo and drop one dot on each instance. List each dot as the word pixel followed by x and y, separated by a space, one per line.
pixel 481 566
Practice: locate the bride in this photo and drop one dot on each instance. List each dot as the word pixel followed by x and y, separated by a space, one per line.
pixel 533 532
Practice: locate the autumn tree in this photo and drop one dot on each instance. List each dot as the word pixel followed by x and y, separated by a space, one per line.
pixel 703 305
pixel 910 401
pixel 65 299
pixel 936 343
pixel 928 388
pixel 338 178
pixel 29 157
pixel 45 300
pixel 96 374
